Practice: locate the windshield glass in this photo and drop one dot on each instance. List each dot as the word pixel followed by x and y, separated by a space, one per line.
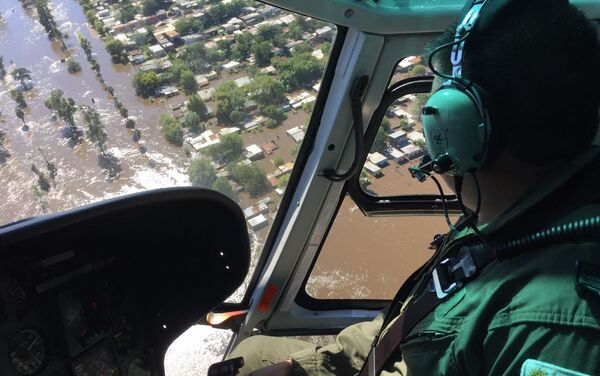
pixel 105 98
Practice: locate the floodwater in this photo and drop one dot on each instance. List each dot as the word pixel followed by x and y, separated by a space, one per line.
pixel 80 179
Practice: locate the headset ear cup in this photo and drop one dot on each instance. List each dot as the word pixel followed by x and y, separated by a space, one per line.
pixel 454 129
pixel 493 146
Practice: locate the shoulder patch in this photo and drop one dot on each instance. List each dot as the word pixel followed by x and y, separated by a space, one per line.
pixel 532 367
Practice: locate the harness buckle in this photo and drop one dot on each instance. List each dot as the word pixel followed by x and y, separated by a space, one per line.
pixel 449 274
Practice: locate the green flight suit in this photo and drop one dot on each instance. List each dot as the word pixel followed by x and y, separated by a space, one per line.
pixel 523 308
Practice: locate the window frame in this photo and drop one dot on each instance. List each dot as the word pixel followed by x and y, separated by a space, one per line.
pixel 303 154
pixel 400 204
pixel 426 204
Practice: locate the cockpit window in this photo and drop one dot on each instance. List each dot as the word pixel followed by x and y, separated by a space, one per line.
pixel 399 142
pixel 102 99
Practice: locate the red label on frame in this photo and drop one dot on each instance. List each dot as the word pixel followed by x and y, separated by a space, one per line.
pixel 267 298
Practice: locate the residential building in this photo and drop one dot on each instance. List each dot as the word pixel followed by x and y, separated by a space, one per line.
pixel 296 133
pixel 254 152
pixel 157 50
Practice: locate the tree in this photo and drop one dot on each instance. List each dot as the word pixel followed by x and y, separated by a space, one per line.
pixel 175 71
pixel 150 7
pixel 250 177
pixel 130 123
pixel 99 27
pixel 47 20
pixel 274 113
pixel 283 181
pixel 405 125
pixel 380 142
pixel 201 173
pixel 230 101
pixel 386 125
pixel 94 128
pixel 171 129
pixel 417 70
pixel 229 149
pixel 263 52
pixel 294 32
pixel 188 82
pixel 73 65
pixel 220 12
pixel 2 70
pixel 21 115
pixel 221 184
pixel 128 13
pixel 42 182
pixel 136 134
pixel 146 83
pixel 418 103
pixel 195 57
pixel 4 154
pixel 364 180
pixel 116 49
pixel 278 161
pixel 195 104
pixel 271 34
pixel 188 25
pixel 299 70
pixel 18 97
pixel 294 150
pixel 86 46
pixel 266 90
pixel 214 55
pixel 242 47
pixel 95 66
pixel 303 48
pixel 21 74
pixel 50 166
pixel 63 107
pixel 192 121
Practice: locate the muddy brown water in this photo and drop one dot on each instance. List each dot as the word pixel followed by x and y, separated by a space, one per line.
pixel 80 180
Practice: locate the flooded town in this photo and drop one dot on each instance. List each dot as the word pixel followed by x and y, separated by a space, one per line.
pixel 103 98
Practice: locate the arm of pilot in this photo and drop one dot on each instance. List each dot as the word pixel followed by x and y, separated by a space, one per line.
pixel 572 346
pixel 345 356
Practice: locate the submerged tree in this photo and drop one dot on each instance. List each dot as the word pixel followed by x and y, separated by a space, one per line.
pixel 42 183
pixel 21 74
pixel 222 185
pixel 94 128
pixel 18 97
pixel 64 108
pixel 73 65
pixel 171 129
pixel 201 173
pixel 47 20
pixel 2 70
pixel 86 46
pixel 4 154
pixel 21 115
pixel 195 104
pixel 50 166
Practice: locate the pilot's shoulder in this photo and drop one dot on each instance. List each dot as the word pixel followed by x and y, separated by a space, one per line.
pixel 557 285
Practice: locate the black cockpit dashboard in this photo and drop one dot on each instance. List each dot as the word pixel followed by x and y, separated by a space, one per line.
pixel 104 289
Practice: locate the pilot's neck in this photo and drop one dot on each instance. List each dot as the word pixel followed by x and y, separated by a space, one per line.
pixel 502 185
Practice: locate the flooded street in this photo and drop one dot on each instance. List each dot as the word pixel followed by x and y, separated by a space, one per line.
pixel 80 180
